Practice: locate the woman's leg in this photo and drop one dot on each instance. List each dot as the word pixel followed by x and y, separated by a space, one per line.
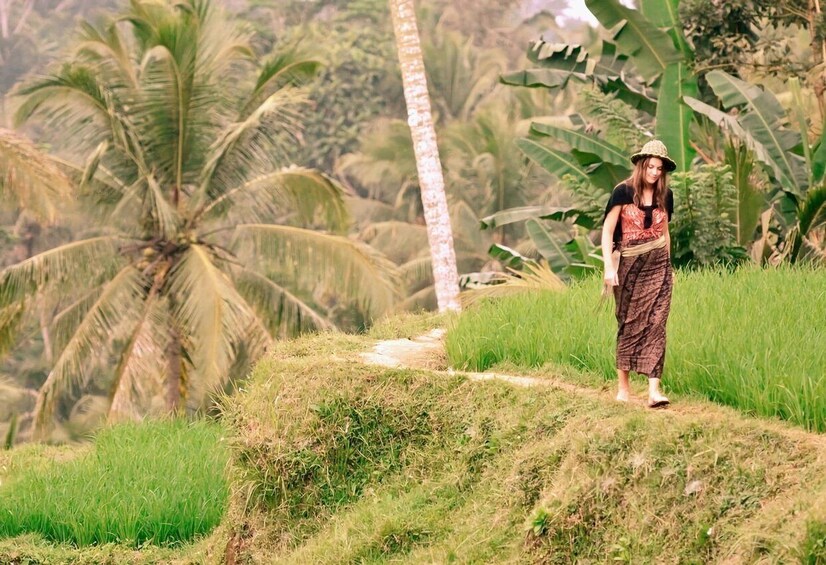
pixel 624 388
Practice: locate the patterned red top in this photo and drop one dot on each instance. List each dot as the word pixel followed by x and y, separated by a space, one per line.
pixel 637 223
pixel 633 223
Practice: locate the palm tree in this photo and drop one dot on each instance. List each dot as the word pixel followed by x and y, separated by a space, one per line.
pixel 202 252
pixel 431 181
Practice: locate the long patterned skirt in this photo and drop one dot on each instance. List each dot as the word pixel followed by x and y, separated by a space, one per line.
pixel 643 301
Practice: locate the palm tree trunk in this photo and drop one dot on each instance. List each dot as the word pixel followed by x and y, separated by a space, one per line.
pixel 173 375
pixel 819 53
pixel 431 181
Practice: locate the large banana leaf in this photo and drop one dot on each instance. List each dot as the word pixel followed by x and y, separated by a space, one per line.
pixel 505 255
pixel 651 48
pixel 558 163
pixel 634 98
pixel 819 159
pixel 606 176
pixel 559 63
pixel 674 117
pixel 548 246
pixel 549 78
pixel 522 213
pixel 571 58
pixel 764 121
pixel 580 140
pixel 729 123
pixel 750 201
pixel 666 14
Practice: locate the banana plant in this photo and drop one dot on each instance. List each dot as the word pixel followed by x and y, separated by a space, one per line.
pixel 645 65
pixel 763 126
pixel 571 258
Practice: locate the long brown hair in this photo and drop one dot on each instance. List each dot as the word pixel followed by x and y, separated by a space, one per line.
pixel 637 183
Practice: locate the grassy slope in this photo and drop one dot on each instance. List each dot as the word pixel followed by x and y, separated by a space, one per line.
pixel 339 462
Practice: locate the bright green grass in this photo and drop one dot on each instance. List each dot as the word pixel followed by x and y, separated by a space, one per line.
pixel 752 339
pixel 156 483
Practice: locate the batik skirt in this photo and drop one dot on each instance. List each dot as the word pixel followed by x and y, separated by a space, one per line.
pixel 643 301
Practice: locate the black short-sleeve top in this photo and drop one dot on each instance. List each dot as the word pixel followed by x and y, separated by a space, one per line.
pixel 636 223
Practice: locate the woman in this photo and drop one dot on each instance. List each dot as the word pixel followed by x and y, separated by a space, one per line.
pixel 636 225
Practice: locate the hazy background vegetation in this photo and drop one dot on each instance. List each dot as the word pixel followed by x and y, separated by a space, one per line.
pixel 527 169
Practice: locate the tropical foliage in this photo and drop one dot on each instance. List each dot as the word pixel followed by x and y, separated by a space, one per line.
pixel 202 253
pixel 779 140
pixel 646 67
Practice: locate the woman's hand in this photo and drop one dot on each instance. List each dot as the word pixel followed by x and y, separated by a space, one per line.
pixel 610 278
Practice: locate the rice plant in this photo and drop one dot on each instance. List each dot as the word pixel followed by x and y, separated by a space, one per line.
pixel 751 338
pixel 156 483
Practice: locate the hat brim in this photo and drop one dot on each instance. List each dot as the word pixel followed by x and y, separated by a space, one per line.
pixel 668 164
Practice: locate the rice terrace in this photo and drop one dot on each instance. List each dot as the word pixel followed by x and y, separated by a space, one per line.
pixel 412 281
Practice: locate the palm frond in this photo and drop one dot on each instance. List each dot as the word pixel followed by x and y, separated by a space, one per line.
pixel 287 67
pixel 283 313
pixel 187 55
pixel 385 160
pixel 10 320
pixel 70 266
pixel 307 195
pixel 398 241
pixel 424 299
pixel 107 48
pixel 77 86
pixel 160 209
pixel 142 366
pixel 120 301
pixel 68 319
pixel 168 99
pixel 463 74
pixel 367 210
pixel 418 272
pixel 211 314
pixel 352 270
pixel 249 147
pixel 35 181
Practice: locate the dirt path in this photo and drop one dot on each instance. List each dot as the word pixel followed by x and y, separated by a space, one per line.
pixel 427 352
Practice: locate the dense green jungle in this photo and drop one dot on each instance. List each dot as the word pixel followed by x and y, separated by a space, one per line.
pixel 209 205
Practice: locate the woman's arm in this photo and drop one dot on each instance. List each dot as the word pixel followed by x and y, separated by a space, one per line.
pixel 667 239
pixel 611 219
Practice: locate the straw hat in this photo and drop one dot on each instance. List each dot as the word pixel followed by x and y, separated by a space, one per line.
pixel 655 148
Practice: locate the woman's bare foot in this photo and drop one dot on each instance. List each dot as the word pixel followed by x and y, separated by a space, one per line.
pixel 622 396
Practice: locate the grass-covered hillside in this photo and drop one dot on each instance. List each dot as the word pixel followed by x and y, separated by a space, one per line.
pixel 336 461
